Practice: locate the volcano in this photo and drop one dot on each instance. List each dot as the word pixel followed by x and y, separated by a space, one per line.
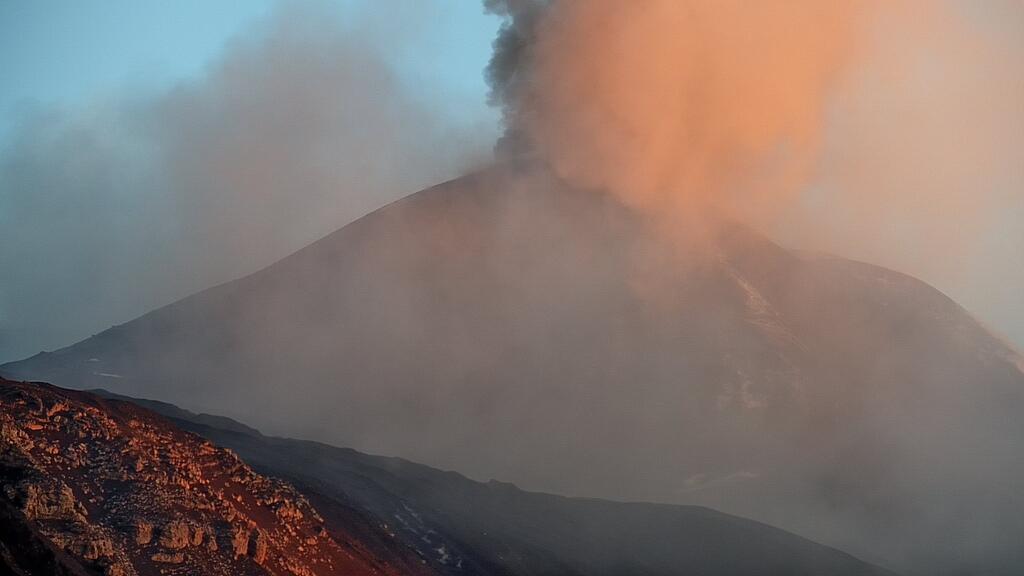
pixel 518 328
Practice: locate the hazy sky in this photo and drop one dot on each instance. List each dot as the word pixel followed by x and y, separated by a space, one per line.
pixel 151 149
pixel 63 52
pixel 58 53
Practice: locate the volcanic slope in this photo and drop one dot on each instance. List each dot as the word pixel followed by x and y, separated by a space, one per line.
pixel 462 527
pixel 508 326
pixel 94 486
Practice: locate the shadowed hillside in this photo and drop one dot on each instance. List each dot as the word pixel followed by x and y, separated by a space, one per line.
pixel 521 329
pixel 464 527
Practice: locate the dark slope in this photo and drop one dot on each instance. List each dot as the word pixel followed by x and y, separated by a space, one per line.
pixel 94 486
pixel 466 527
pixel 512 328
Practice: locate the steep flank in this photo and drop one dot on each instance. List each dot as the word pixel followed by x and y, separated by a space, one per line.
pixel 94 486
pixel 514 327
pixel 462 527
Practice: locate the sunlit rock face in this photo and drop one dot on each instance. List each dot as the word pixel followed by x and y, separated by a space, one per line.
pixel 104 487
pixel 509 326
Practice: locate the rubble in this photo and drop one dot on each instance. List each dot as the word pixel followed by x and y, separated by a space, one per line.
pixel 122 491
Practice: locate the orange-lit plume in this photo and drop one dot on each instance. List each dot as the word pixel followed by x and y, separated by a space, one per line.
pixel 884 131
pixel 678 106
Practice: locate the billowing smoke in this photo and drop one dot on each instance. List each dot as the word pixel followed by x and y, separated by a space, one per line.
pixel 674 106
pixel 890 132
pixel 920 167
pixel 493 325
pixel 115 207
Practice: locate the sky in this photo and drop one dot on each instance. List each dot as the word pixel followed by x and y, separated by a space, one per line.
pixel 58 53
pixel 150 149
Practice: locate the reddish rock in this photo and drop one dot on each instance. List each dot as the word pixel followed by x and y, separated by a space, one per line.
pixel 260 546
pixel 168 557
pixel 175 535
pixel 143 532
pixel 114 489
pixel 240 541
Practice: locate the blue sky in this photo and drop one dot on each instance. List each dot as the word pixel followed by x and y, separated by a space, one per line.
pixel 61 53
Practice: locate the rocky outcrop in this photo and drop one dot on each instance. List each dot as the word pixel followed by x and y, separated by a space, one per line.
pixel 240 541
pixel 49 499
pixel 143 532
pixel 105 487
pixel 175 535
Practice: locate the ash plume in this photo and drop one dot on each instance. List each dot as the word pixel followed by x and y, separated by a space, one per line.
pixel 501 324
pixel 671 105
pixel 886 131
pixel 508 70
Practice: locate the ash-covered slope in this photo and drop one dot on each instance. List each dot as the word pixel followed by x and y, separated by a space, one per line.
pixel 462 527
pixel 91 486
pixel 509 327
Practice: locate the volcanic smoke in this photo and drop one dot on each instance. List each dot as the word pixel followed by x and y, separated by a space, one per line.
pixel 889 132
pixel 674 105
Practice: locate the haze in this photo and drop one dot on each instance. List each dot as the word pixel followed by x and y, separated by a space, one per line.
pixel 907 151
pixel 585 298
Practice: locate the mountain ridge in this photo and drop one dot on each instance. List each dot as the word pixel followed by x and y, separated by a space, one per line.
pixel 501 531
pixel 111 488
pixel 509 326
